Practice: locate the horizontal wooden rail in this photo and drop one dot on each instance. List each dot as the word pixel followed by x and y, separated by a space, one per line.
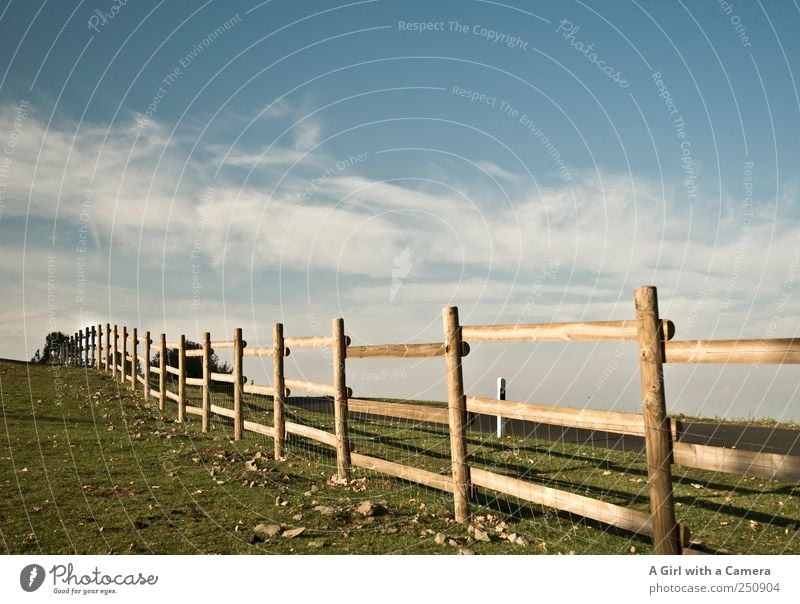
pixel 173 345
pixel 140 379
pixel 224 411
pixel 195 352
pixel 400 351
pixel 737 461
pixel 258 389
pixel 309 342
pixel 263 390
pixel 222 377
pixel 263 351
pixel 589 419
pixel 259 428
pixel 138 338
pixel 757 352
pixel 225 344
pixel 155 369
pixel 410 473
pixel 312 433
pixel 313 387
pixel 172 396
pixel 172 370
pixel 129 358
pixel 190 381
pixel 194 410
pixel 588 331
pixel 423 413
pixel 609 513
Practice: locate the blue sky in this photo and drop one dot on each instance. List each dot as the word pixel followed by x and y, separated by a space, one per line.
pixel 193 166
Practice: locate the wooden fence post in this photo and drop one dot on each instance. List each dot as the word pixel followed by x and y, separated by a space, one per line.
pixel 457 413
pixel 238 420
pixel 206 380
pixel 340 400
pixel 134 359
pixel 146 366
pixel 107 350
pixel 98 348
pixel 124 354
pixel 280 389
pixel 76 345
pixel 86 346
pixel 162 366
pixel 181 378
pixel 114 352
pixel 658 433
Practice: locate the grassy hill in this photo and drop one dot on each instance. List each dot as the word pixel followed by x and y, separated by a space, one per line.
pixel 88 467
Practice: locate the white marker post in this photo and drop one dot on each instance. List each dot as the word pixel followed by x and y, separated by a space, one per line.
pixel 501 395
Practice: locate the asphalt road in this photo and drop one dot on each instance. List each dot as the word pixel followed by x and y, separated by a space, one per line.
pixel 749 438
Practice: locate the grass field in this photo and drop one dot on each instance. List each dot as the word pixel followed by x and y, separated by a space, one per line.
pixel 89 467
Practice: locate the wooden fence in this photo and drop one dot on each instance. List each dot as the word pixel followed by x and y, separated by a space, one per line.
pixel 104 348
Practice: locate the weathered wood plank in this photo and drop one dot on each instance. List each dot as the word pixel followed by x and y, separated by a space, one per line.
pixel 614 515
pixel 585 331
pixel 410 473
pixel 777 351
pixel 421 413
pixel 737 461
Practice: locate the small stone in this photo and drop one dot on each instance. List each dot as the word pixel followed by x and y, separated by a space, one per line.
pixel 316 544
pixel 325 510
pixel 512 538
pixel 521 541
pixel 295 532
pixel 440 539
pixel 465 551
pixel 367 509
pixel 265 531
pixel 452 543
pixel 297 517
pixel 278 500
pixel 481 535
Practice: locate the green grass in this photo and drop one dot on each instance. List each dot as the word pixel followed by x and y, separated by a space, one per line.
pixel 88 467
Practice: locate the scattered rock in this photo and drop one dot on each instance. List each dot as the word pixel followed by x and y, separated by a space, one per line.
pixel 325 510
pixel 440 539
pixel 368 509
pixel 295 532
pixel 452 543
pixel 265 531
pixel 465 551
pixel 480 535
pixel 316 544
pixel 521 541
pixel 297 517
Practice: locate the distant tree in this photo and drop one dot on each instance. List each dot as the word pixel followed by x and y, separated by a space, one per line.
pixel 36 357
pixel 194 365
pixel 52 343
